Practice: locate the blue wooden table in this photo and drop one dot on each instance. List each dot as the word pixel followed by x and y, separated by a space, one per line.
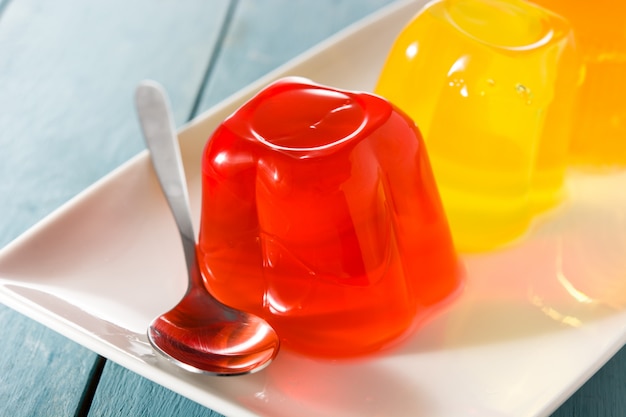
pixel 68 69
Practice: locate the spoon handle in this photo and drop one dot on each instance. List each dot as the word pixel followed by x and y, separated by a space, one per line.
pixel 160 135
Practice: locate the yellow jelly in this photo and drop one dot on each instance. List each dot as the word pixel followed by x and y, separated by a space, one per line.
pixel 599 133
pixel 490 84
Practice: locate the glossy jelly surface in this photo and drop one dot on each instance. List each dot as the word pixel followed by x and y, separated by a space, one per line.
pixel 490 84
pixel 599 134
pixel 320 214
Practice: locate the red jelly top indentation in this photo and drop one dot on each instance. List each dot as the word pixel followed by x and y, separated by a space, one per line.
pixel 305 120
pixel 330 116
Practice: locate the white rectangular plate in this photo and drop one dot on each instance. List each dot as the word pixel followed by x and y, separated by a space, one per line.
pixel 532 324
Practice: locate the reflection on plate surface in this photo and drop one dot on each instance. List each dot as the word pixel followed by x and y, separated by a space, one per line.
pixel 535 320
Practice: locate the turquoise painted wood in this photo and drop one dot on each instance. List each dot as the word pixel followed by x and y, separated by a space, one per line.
pixel 68 69
pixel 603 395
pixel 265 34
pixel 123 393
pixel 68 72
pixel 41 372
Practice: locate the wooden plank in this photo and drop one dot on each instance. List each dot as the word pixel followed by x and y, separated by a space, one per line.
pixel 67 75
pixel 66 112
pixel 267 34
pixel 122 392
pixel 41 372
pixel 603 395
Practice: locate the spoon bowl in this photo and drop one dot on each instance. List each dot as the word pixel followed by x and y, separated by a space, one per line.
pixel 199 334
pixel 202 336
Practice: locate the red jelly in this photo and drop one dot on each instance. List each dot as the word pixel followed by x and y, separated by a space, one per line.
pixel 320 214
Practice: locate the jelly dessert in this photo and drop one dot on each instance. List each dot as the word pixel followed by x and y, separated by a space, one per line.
pixel 599 133
pixel 320 214
pixel 490 84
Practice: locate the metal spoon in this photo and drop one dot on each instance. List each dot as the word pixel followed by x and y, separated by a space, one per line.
pixel 200 334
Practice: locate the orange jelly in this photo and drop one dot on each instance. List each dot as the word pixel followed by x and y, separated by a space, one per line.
pixel 490 83
pixel 599 135
pixel 320 214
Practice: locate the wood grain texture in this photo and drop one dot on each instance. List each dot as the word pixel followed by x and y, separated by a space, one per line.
pixel 604 395
pixel 123 393
pixel 41 372
pixel 67 77
pixel 266 34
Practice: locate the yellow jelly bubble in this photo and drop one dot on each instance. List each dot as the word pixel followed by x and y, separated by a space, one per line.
pixel 491 85
pixel 599 132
